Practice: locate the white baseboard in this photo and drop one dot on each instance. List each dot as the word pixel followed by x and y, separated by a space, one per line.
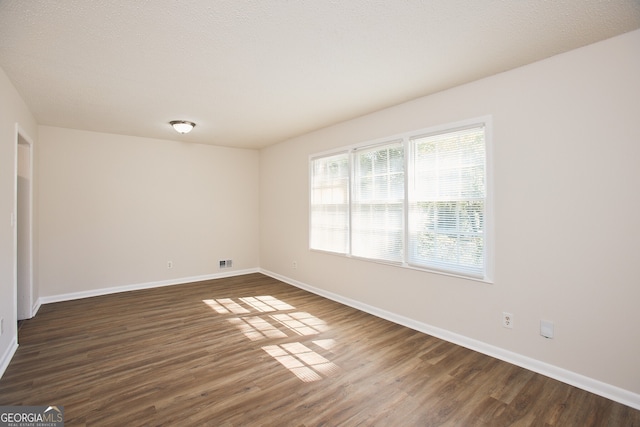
pixel 591 385
pixel 35 308
pixel 8 355
pixel 138 286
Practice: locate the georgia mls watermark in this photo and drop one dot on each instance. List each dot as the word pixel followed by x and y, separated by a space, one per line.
pixel 31 416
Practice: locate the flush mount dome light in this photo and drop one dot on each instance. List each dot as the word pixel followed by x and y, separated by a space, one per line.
pixel 182 126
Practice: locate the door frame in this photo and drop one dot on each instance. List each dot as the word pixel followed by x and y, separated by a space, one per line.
pixel 22 138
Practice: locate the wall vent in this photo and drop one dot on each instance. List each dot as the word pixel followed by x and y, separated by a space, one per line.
pixel 226 263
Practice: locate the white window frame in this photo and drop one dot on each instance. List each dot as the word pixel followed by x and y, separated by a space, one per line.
pixel 488 235
pixel 354 174
pixel 346 250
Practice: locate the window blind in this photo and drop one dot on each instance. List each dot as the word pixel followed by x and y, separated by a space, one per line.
pixel 418 201
pixel 329 228
pixel 446 219
pixel 377 219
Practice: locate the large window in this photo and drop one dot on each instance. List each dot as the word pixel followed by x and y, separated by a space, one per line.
pixel 378 198
pixel 418 200
pixel 447 201
pixel 330 203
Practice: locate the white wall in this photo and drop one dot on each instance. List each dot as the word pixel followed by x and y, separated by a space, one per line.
pixel 13 111
pixel 567 240
pixel 114 209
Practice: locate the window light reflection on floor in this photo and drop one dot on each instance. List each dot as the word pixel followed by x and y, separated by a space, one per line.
pixel 226 305
pixel 255 328
pixel 263 304
pixel 300 323
pixel 303 362
pixel 266 317
pixel 266 303
pixel 327 344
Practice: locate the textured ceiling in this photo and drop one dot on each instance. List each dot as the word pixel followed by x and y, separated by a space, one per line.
pixel 254 72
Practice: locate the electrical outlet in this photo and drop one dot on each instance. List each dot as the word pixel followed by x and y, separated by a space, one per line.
pixel 507 320
pixel 169 264
pixel 294 265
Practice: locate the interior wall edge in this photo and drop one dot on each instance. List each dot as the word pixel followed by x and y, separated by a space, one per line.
pixel 8 355
pixel 36 307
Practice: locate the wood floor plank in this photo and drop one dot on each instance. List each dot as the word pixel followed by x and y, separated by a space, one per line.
pixel 253 351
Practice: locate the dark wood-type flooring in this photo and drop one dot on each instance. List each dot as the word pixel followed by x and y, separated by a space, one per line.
pixel 251 351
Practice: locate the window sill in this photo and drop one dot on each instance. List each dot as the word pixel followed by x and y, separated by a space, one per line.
pixel 407 266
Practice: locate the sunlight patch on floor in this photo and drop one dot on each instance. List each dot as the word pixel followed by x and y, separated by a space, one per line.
pixel 301 323
pixel 303 362
pixel 327 344
pixel 255 328
pixel 266 303
pixel 266 317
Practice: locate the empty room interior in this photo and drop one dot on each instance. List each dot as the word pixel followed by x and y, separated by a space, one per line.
pixel 379 213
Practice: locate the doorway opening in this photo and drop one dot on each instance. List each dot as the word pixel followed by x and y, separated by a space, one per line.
pixel 24 226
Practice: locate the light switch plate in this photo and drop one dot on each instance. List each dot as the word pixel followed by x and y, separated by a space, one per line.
pixel 546 328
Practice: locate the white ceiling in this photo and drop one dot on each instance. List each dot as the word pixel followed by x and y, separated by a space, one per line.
pixel 254 72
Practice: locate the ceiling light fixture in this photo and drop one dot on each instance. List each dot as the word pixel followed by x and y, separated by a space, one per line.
pixel 182 126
